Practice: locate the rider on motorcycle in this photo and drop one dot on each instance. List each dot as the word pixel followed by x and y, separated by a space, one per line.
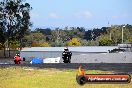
pixel 66 55
pixel 17 59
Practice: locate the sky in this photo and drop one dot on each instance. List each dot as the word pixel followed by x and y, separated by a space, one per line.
pixel 80 13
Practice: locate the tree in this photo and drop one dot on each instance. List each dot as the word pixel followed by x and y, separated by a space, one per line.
pixel 88 35
pixel 59 36
pixel 14 45
pixel 84 42
pixel 105 41
pixel 1 46
pixel 32 38
pixel 93 43
pixel 130 39
pixel 46 31
pixel 2 28
pixel 35 44
pixel 16 19
pixel 74 42
pixel 45 44
pixel 2 36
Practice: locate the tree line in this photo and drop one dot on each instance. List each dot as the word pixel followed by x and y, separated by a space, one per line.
pixel 78 36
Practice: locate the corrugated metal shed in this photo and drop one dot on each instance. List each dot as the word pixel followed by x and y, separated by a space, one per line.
pixel 89 54
pixel 54 52
pixel 90 49
pixel 122 57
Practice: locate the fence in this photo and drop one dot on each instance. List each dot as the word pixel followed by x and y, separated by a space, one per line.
pixel 6 53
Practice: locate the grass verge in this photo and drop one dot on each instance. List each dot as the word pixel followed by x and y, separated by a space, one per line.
pixel 16 77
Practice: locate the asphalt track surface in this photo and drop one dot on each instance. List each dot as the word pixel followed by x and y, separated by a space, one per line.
pixel 114 67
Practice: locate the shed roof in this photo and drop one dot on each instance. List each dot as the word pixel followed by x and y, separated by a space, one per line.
pixel 75 49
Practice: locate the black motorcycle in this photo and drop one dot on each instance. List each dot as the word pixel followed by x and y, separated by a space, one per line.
pixel 66 57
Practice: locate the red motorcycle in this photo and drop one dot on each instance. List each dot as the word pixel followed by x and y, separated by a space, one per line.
pixel 17 59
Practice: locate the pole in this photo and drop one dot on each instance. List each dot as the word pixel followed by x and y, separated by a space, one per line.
pixel 122 34
pixel 110 36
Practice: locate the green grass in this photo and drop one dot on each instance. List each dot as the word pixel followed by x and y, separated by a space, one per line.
pixel 16 77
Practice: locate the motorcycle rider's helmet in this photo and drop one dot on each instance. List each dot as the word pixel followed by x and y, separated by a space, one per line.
pixel 66 49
